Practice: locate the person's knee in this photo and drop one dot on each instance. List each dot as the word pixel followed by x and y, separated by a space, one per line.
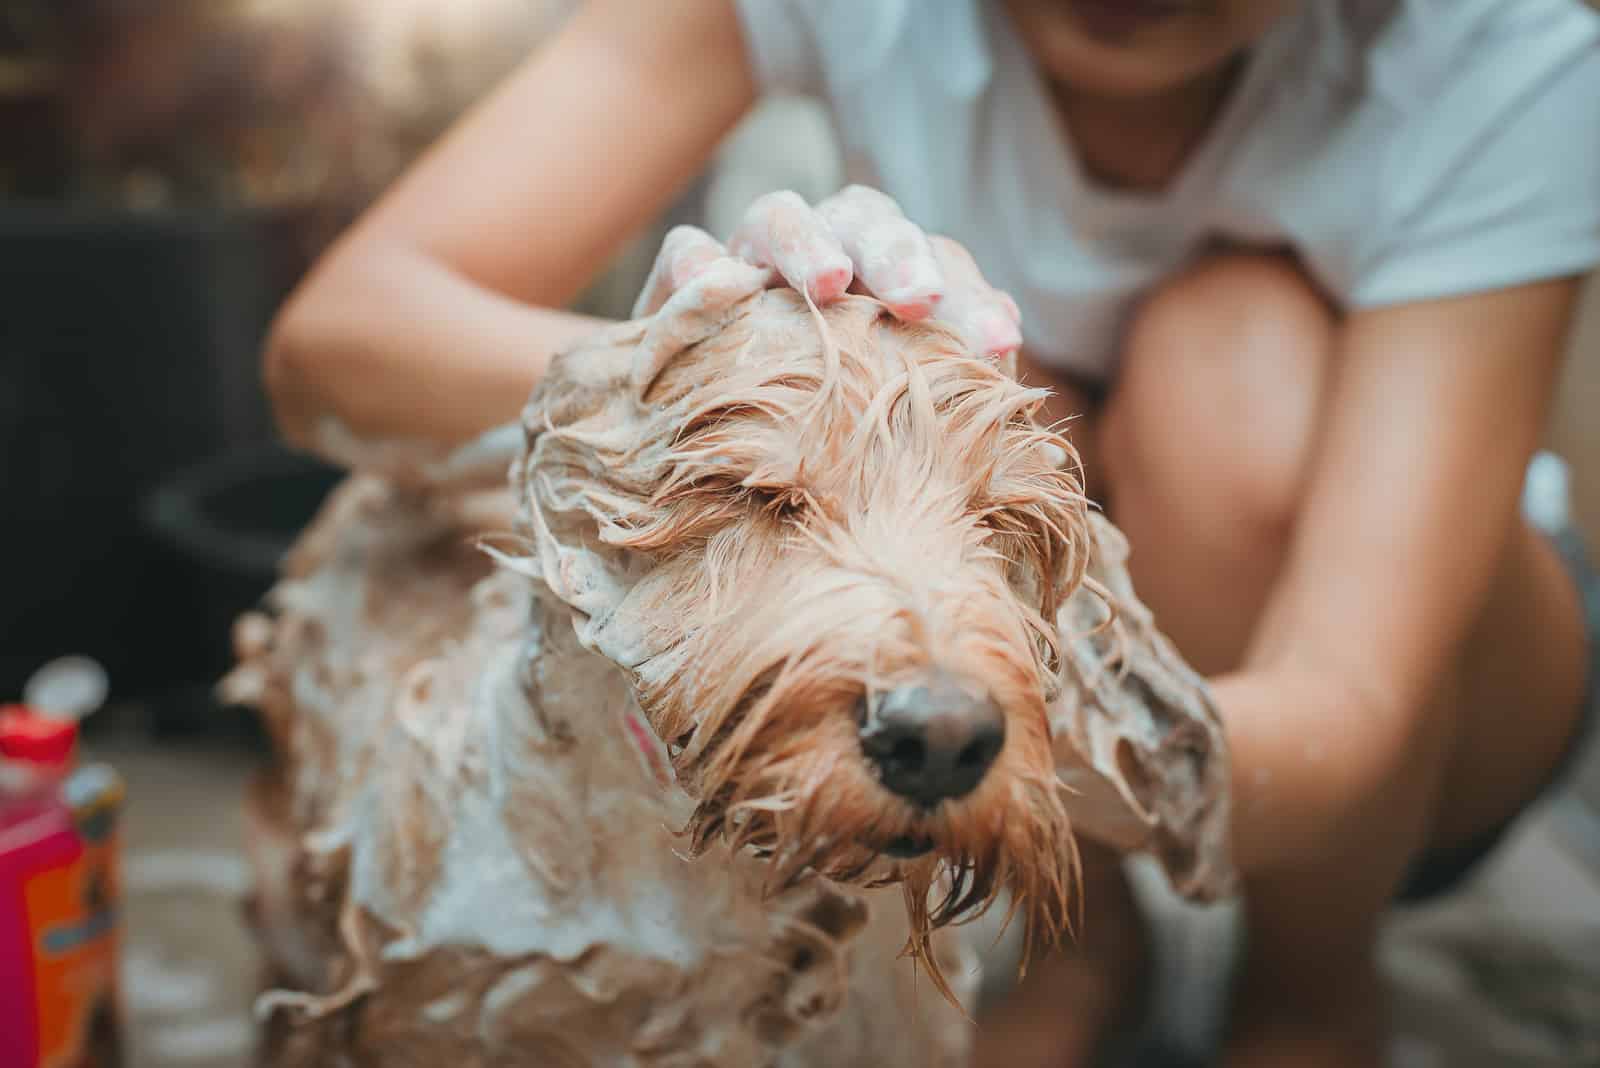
pixel 1216 398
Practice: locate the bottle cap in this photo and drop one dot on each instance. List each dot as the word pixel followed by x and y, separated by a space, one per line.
pixel 31 738
pixel 69 687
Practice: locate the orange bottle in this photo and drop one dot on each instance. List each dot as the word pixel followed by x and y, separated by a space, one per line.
pixel 59 895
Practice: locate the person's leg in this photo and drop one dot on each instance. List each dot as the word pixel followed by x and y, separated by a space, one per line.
pixel 1524 677
pixel 1207 440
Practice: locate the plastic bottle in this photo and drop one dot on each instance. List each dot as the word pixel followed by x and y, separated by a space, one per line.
pixel 60 884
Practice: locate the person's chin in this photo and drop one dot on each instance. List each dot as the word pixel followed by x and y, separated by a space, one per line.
pixel 1115 47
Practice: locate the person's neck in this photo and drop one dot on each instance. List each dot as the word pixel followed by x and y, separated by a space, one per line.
pixel 1142 142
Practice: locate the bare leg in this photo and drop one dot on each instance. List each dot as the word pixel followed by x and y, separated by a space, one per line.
pixel 1207 440
pixel 1523 675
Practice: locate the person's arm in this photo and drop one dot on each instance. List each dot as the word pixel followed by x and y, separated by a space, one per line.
pixel 432 319
pixel 1435 412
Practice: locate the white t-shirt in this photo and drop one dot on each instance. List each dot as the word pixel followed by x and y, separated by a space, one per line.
pixel 1404 149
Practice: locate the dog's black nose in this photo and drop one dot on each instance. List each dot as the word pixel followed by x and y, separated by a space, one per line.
pixel 932 742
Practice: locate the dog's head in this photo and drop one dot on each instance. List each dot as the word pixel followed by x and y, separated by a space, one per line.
pixel 829 549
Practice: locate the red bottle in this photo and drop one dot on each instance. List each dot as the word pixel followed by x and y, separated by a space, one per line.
pixel 59 895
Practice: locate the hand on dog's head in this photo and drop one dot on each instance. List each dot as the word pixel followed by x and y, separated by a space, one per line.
pixel 829 548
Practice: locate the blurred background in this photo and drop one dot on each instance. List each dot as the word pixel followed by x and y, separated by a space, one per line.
pixel 168 170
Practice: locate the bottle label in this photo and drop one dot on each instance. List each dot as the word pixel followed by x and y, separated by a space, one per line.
pixel 60 888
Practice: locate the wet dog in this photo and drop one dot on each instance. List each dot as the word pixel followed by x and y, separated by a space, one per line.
pixel 793 644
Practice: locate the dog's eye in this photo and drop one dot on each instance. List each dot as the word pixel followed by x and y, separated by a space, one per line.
pixel 779 504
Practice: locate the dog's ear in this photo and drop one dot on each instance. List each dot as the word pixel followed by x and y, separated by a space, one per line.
pixel 595 446
pixel 1138 741
pixel 584 414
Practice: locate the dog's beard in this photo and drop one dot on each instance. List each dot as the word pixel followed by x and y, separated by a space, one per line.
pixel 808 802
pixel 767 741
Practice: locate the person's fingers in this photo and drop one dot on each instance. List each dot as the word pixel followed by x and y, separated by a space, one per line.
pixel 858 235
pixel 693 313
pixel 892 256
pixel 1010 305
pixel 782 232
pixel 685 253
pixel 986 317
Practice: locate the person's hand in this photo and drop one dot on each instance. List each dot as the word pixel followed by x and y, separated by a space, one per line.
pixel 854 241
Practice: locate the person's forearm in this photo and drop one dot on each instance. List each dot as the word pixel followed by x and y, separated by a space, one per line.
pixel 389 345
